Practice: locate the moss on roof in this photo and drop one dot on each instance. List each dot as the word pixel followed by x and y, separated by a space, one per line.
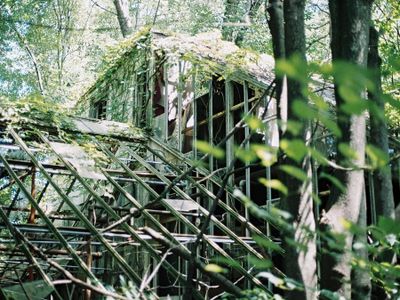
pixel 206 49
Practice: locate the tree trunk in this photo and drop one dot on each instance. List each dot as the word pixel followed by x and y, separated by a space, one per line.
pixel 276 27
pixel 32 56
pixel 350 36
pixel 384 202
pixel 299 265
pixel 124 19
pixel 361 282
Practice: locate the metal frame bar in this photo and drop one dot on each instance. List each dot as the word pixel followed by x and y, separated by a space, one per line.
pixel 229 150
pixel 127 269
pixel 48 222
pixel 115 216
pixel 194 229
pixel 26 250
pixel 202 189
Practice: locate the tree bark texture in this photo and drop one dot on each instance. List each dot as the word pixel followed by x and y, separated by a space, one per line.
pixel 124 19
pixel 361 287
pixel 384 201
pixel 350 37
pixel 277 30
pixel 299 264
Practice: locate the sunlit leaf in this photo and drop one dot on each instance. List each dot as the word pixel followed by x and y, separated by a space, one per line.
pixel 295 148
pixel 347 151
pixel 303 110
pixel 260 263
pixel 205 147
pixel 274 184
pixel 246 155
pixel 377 157
pixel 295 172
pixel 294 127
pixel 213 268
pixel 276 281
pixel 294 67
pixel 267 155
pixel 254 123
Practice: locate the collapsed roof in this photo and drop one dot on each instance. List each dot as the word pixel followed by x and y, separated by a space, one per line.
pixel 208 49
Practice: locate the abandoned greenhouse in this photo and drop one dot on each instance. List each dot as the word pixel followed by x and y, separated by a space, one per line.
pixel 119 195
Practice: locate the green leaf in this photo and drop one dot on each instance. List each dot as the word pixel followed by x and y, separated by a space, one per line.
pixel 334 180
pixel 274 184
pixel 295 149
pixel 246 155
pixel 276 281
pixel 377 157
pixel 318 156
pixel 229 262
pixel 295 172
pixel 295 67
pixel 391 101
pixel 266 154
pixel 205 147
pixel 331 125
pixel 388 225
pixel 303 110
pixel 267 244
pixel 347 151
pixel 355 108
pixel 349 94
pixel 255 123
pixel 213 268
pixel 294 127
pixel 260 263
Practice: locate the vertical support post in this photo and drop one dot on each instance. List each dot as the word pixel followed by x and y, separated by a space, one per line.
pixel 210 124
pixel 150 94
pixel 247 147
pixel 89 260
pixel 136 109
pixel 229 94
pixel 194 138
pixel 247 170
pixel 179 109
pixel 371 189
pixel 195 120
pixel 268 177
pixel 268 169
pixel 166 101
pixel 32 213
pixel 31 218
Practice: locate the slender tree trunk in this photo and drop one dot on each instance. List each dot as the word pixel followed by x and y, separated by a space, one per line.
pixel 124 19
pixel 383 188
pixel 276 27
pixel 350 37
pixel 384 202
pixel 299 264
pixel 361 282
pixel 24 43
